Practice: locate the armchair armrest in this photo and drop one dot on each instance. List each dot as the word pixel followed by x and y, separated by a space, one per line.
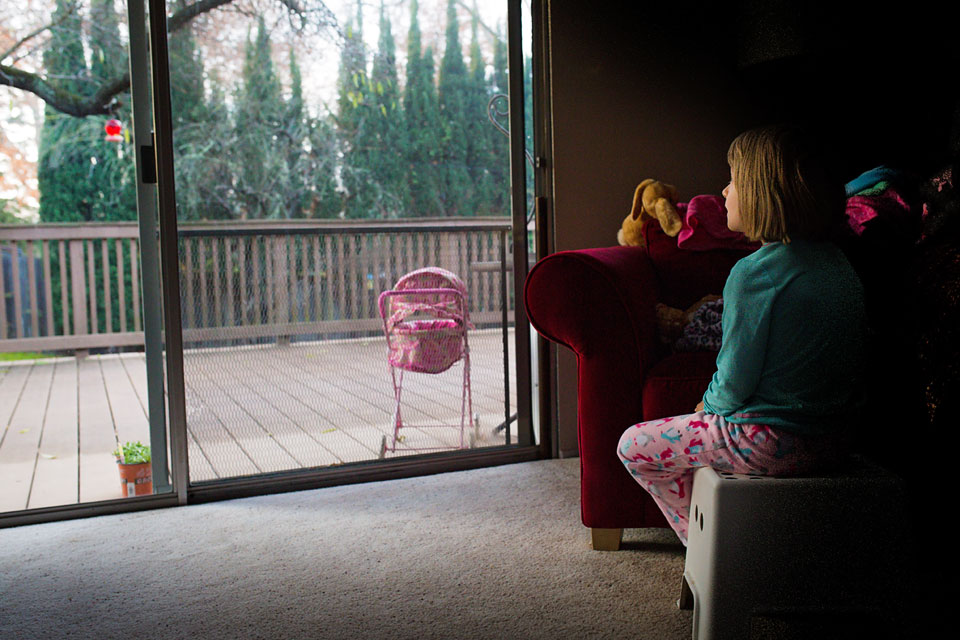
pixel 600 303
pixel 596 302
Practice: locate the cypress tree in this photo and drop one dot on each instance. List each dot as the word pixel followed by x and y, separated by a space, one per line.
pixel 66 194
pixel 422 125
pixel 356 108
pixel 456 187
pixel 326 200
pixel 214 168
pixel 388 153
pixel 262 173
pixel 192 141
pixel 480 155
pixel 294 132
pixel 499 201
pixel 186 71
pixel 113 175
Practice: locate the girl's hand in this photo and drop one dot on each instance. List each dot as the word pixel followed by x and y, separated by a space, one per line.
pixel 699 407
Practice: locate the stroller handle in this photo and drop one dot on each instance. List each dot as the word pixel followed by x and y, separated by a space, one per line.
pixel 454 295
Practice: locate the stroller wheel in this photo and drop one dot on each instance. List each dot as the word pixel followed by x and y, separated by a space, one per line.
pixel 383 448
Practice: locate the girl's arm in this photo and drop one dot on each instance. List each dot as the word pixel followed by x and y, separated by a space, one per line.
pixel 748 299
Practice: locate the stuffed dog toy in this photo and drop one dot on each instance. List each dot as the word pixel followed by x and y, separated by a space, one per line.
pixel 652 199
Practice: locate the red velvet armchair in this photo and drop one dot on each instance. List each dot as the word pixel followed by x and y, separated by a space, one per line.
pixel 600 303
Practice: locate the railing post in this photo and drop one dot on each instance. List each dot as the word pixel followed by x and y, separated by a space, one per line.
pixel 203 309
pixel 47 287
pixel 64 287
pixel 92 289
pixel 228 272
pixel 121 289
pixel 17 293
pixel 78 292
pixel 3 297
pixel 107 294
pixel 281 283
pixel 32 290
pixel 135 281
pixel 243 261
pixel 187 290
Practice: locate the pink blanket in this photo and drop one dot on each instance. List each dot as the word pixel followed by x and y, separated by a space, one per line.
pixel 705 226
pixel 863 209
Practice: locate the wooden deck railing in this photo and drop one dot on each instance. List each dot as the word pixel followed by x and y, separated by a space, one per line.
pixel 77 286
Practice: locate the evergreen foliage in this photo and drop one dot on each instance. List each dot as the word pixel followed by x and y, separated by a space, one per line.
pixel 66 193
pixel 324 195
pixel 422 123
pixel 411 142
pixel 456 187
pixel 357 110
pixel 262 168
pixel 386 122
pixel 200 129
pixel 479 133
pixel 293 133
pixel 499 161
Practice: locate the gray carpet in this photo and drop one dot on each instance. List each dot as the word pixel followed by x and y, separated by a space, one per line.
pixel 487 553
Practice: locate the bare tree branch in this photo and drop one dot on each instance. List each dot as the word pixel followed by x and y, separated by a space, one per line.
pixel 35 33
pixel 104 100
pixel 100 103
pixel 185 14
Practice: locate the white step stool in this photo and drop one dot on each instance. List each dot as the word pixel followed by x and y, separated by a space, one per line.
pixel 766 556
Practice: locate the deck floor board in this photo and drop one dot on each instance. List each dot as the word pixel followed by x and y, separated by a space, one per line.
pixel 250 410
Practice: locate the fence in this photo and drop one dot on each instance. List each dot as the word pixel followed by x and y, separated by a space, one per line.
pixel 76 286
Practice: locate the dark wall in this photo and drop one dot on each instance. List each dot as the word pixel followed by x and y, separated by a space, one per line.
pixel 635 94
pixel 878 84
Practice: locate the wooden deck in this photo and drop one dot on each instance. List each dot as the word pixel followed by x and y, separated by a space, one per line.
pixel 250 410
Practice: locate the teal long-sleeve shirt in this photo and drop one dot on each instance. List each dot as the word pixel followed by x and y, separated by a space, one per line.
pixel 793 337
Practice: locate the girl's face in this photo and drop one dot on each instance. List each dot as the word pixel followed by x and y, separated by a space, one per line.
pixel 733 206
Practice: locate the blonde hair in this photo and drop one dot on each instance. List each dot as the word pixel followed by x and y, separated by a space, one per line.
pixel 783 187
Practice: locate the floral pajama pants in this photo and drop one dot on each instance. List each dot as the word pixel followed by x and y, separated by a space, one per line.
pixel 662 455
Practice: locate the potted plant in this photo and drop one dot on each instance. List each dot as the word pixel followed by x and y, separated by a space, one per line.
pixel 136 475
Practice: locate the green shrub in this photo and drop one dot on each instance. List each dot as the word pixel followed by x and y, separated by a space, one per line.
pixel 133 453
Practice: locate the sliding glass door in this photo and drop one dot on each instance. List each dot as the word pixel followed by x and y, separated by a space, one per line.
pixel 317 159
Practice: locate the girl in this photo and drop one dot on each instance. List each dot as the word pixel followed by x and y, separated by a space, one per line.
pixel 787 381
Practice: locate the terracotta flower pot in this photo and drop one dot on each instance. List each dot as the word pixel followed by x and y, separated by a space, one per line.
pixel 136 479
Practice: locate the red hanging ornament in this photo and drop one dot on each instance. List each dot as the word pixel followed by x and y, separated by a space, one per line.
pixel 113 129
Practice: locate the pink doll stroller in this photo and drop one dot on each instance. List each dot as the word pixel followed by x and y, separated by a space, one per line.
pixel 425 319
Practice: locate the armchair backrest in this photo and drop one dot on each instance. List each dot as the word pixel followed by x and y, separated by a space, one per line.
pixel 685 276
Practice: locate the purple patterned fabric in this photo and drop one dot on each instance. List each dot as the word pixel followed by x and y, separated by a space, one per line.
pixel 704 332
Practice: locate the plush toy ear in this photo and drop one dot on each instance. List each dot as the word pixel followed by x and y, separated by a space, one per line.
pixel 637 208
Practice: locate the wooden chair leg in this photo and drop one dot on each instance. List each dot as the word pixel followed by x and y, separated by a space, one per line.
pixel 686 595
pixel 606 539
